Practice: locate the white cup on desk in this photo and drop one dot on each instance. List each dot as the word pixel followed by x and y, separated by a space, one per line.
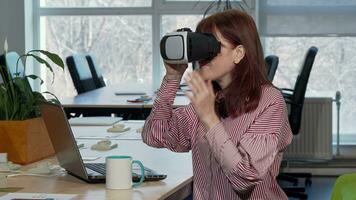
pixel 119 172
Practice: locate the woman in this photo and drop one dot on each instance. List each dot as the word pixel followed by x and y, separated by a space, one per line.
pixel 236 126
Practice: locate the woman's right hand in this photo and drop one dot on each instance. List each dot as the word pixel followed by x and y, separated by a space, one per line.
pixel 175 70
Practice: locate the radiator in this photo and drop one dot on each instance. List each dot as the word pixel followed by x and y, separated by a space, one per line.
pixel 314 140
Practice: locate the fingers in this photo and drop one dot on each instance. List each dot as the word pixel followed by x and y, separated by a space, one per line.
pixel 200 89
pixel 210 86
pixel 196 83
pixel 175 68
pixel 199 82
pixel 190 97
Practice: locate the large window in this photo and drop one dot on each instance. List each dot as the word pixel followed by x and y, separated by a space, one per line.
pixel 172 22
pixel 95 3
pixel 291 27
pixel 122 35
pixel 334 70
pixel 122 46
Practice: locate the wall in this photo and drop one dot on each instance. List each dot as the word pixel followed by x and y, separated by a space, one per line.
pixel 12 25
pixel 16 25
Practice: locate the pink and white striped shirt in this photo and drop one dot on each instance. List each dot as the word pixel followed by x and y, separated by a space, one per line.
pixel 238 158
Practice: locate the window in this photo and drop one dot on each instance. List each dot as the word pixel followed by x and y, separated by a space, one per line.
pixel 291 27
pixel 122 35
pixel 334 70
pixel 125 55
pixel 95 3
pixel 173 22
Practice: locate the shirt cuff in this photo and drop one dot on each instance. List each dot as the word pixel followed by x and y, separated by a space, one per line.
pixel 163 105
pixel 168 89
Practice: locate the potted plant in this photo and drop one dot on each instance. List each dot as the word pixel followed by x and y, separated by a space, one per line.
pixel 23 135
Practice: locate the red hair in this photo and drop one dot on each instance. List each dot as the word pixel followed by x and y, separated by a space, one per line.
pixel 238 28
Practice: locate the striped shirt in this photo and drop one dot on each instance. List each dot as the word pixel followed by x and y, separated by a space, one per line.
pixel 238 158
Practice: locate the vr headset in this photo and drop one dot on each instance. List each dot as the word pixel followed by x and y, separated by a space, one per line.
pixel 184 46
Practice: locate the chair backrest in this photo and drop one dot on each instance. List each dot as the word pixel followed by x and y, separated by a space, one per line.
pixel 271 64
pixel 10 60
pixel 300 87
pixel 95 71
pixel 344 187
pixel 80 72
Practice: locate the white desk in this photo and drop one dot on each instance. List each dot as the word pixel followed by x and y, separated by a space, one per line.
pixel 103 101
pixel 177 166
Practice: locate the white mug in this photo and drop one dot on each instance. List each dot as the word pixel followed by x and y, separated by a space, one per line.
pixel 119 172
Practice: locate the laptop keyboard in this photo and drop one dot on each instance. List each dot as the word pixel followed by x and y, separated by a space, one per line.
pixel 98 167
pixel 150 175
pixel 101 168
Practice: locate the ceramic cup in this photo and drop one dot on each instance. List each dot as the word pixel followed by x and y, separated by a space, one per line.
pixel 119 172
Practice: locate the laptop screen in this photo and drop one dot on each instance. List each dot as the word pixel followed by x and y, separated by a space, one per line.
pixel 62 138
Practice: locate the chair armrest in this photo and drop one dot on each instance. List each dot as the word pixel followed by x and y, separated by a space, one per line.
pixel 290 101
pixel 286 90
pixel 287 96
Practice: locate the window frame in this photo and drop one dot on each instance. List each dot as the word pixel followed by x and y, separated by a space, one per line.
pixel 282 11
pixel 156 11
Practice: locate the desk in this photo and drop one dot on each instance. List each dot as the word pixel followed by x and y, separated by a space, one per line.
pixel 103 101
pixel 177 166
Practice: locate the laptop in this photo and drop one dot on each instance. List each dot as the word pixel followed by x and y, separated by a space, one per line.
pixel 67 151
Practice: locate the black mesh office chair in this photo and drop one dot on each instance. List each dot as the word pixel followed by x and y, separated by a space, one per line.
pixel 272 64
pixel 295 99
pixel 81 73
pixel 95 71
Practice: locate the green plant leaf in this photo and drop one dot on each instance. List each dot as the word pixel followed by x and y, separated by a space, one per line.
pixel 55 100
pixel 53 57
pixel 17 100
pixel 38 99
pixel 8 83
pixel 34 77
pixel 25 98
pixel 4 103
pixel 42 61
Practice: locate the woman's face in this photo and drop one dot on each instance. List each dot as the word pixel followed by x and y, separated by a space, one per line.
pixel 221 66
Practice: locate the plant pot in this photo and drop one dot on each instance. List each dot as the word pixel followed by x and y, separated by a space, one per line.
pixel 25 141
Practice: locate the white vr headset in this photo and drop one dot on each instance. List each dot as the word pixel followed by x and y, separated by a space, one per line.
pixel 184 46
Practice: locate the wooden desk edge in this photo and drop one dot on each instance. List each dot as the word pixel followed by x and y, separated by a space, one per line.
pixel 182 191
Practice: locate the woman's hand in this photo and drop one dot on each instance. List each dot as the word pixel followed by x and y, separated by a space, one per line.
pixel 175 71
pixel 203 99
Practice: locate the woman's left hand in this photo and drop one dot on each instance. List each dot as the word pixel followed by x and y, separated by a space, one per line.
pixel 203 99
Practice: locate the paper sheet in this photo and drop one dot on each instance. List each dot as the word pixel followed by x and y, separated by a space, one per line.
pixel 97 133
pixel 94 121
pixel 38 196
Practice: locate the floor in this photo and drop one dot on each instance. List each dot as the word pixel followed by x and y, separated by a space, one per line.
pixel 320 189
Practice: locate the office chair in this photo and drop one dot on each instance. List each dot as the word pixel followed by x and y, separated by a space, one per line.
pixel 81 73
pixel 271 64
pixel 10 60
pixel 295 98
pixel 99 82
pixel 95 71
pixel 344 187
